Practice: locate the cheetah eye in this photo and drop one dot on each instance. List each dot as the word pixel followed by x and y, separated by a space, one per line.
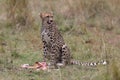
pixel 51 16
pixel 47 16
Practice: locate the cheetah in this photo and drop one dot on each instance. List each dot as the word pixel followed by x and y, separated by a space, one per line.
pixel 54 48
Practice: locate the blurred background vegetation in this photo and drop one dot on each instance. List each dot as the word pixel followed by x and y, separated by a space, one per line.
pixel 91 29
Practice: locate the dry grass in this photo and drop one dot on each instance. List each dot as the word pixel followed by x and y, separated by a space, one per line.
pixel 18 13
pixel 90 28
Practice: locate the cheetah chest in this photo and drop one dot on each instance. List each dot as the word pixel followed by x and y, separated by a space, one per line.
pixel 45 36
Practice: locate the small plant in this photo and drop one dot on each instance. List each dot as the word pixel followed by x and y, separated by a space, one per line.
pixel 15 54
pixel 2 43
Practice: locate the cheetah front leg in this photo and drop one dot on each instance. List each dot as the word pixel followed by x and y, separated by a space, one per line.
pixel 50 55
pixel 53 56
pixel 65 55
pixel 46 52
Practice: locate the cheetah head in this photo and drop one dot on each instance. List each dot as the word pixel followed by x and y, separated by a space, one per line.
pixel 47 17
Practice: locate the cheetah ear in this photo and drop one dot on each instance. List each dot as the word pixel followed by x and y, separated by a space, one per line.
pixel 41 15
pixel 51 13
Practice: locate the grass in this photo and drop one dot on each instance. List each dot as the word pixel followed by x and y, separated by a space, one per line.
pixel 90 29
